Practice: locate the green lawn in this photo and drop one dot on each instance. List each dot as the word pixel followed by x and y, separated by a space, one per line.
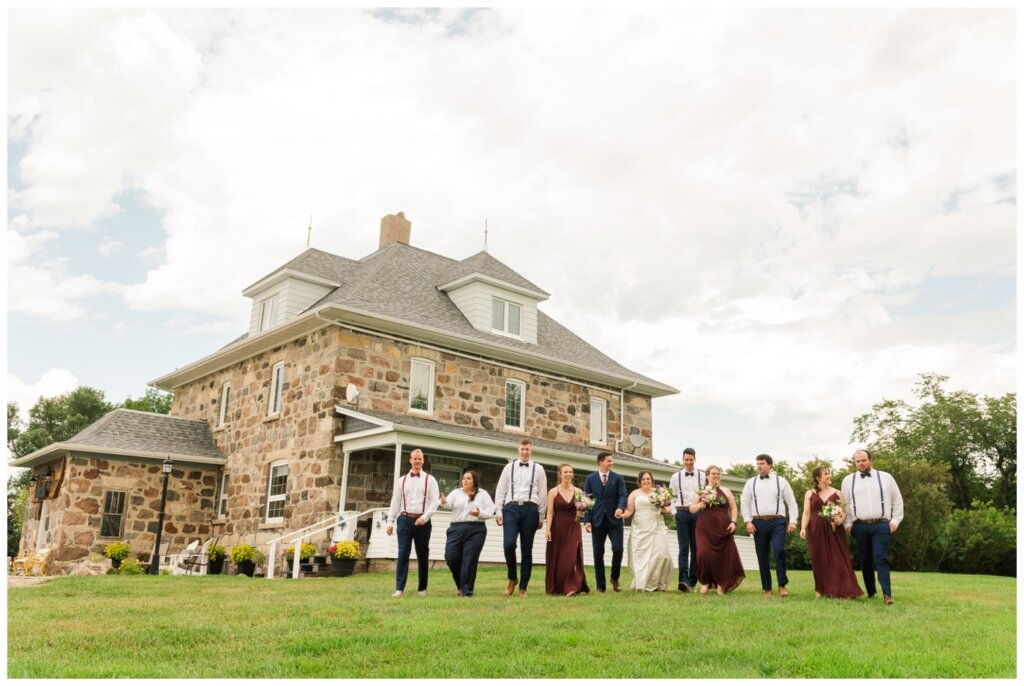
pixel 189 627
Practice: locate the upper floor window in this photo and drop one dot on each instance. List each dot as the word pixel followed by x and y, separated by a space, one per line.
pixel 598 421
pixel 267 308
pixel 515 396
pixel 112 521
pixel 277 489
pixel 225 395
pixel 276 389
pixel 421 385
pixel 222 499
pixel 505 317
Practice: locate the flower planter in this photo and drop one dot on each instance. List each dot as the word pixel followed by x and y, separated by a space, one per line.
pixel 115 563
pixel 215 566
pixel 248 567
pixel 343 566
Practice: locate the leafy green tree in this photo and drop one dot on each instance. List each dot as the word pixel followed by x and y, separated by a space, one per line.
pixel 152 401
pixel 980 541
pixel 59 418
pixel 17 496
pixel 974 436
pixel 743 471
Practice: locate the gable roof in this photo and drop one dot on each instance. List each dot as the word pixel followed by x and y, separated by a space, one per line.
pixel 484 263
pixel 132 433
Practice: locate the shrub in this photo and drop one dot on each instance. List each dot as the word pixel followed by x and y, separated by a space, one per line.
pixel 345 549
pixel 246 553
pixel 131 568
pixel 216 552
pixel 308 550
pixel 165 572
pixel 980 541
pixel 118 550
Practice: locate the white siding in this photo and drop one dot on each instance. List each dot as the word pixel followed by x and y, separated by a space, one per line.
pixel 474 300
pixel 293 297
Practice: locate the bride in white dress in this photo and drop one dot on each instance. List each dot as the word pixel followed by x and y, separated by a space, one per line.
pixel 649 558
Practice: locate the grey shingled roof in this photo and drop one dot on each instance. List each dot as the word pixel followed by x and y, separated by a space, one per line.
pixel 511 439
pixel 401 282
pixel 148 432
pixel 483 263
pixel 317 263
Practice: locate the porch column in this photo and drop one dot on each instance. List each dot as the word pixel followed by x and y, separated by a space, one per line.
pixel 344 483
pixel 398 461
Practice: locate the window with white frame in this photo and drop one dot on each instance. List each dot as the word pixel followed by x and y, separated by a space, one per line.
pixel 448 478
pixel 505 316
pixel 515 397
pixel 267 308
pixel 598 421
pixel 421 385
pixel 276 389
pixel 222 499
pixel 277 489
pixel 225 396
pixel 112 520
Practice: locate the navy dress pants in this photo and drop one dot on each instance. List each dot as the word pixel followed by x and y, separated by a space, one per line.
pixel 771 532
pixel 408 535
pixel 519 523
pixel 686 534
pixel 598 535
pixel 873 545
pixel 462 553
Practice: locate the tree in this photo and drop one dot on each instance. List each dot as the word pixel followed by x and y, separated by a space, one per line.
pixel 17 496
pixel 152 401
pixel 975 436
pixel 56 419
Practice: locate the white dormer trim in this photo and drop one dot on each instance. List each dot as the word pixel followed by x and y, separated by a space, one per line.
pixel 277 277
pixel 491 281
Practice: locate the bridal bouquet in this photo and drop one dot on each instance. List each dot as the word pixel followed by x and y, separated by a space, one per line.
pixel 709 496
pixel 831 510
pixel 583 505
pixel 662 496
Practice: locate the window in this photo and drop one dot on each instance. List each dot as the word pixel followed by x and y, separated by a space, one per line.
pixel 515 396
pixel 225 395
pixel 598 421
pixel 505 317
pixel 421 385
pixel 448 478
pixel 222 499
pixel 267 308
pixel 112 522
pixel 277 487
pixel 276 389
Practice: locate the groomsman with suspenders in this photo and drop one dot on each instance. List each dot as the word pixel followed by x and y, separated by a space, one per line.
pixel 874 510
pixel 415 499
pixel 522 496
pixel 765 501
pixel 686 483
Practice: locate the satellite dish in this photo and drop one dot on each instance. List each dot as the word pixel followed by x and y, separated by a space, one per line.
pixel 637 440
pixel 351 393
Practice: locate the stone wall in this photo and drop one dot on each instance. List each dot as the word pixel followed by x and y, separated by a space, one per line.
pixel 75 513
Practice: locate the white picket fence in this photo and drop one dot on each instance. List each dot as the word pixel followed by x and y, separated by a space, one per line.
pixel 384 547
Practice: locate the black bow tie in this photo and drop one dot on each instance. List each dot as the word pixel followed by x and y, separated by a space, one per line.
pixel 865 475
pixel 415 476
pixel 524 464
pixel 687 473
pixel 763 476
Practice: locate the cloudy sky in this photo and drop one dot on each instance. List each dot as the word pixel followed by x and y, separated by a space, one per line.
pixel 786 214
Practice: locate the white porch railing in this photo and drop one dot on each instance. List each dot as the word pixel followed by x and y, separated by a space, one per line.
pixel 343 522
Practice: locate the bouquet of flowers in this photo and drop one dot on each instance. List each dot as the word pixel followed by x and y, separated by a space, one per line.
pixel 831 510
pixel 662 496
pixel 709 496
pixel 583 505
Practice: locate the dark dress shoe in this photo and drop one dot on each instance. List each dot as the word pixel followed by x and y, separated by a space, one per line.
pixel 683 588
pixel 616 587
pixel 600 590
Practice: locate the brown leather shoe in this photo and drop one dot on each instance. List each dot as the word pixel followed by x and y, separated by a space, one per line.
pixel 616 587
pixel 600 590
pixel 510 587
pixel 887 599
pixel 783 592
pixel 766 594
pixel 522 592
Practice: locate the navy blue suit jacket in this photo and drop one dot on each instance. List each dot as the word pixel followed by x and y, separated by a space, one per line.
pixel 606 499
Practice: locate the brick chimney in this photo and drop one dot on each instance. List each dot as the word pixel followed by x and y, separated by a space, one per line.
pixel 394 228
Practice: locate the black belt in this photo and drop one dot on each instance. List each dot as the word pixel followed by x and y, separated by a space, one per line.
pixel 463 523
pixel 767 517
pixel 521 502
pixel 873 521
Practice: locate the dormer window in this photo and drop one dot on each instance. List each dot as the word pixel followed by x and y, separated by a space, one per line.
pixel 505 317
pixel 267 308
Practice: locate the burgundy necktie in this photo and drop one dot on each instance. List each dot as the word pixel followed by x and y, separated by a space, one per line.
pixel 604 479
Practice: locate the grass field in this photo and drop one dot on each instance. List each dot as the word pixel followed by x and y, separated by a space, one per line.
pixel 190 627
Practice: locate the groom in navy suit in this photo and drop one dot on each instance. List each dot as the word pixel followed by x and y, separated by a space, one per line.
pixel 608 491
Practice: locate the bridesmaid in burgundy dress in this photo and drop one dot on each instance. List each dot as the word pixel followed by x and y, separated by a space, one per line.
pixel 563 563
pixel 826 541
pixel 718 561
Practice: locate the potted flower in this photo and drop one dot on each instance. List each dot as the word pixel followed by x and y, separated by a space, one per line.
pixel 343 557
pixel 215 559
pixel 246 558
pixel 116 551
pixel 308 550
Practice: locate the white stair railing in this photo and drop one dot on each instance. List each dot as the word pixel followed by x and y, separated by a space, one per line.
pixel 343 522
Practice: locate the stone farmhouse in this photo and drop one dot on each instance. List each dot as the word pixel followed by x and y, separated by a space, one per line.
pixel 266 436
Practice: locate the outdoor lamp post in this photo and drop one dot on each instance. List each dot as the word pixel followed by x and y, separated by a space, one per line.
pixel 154 564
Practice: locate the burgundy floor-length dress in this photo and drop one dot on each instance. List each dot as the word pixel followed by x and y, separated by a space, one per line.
pixel 718 561
pixel 830 557
pixel 564 561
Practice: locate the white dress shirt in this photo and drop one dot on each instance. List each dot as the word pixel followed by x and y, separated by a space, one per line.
pixel 461 506
pixel 872 497
pixel 415 495
pixel 767 497
pixel 686 486
pixel 526 483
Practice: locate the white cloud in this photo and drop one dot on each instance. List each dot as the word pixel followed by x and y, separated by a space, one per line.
pixel 108 246
pixel 52 383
